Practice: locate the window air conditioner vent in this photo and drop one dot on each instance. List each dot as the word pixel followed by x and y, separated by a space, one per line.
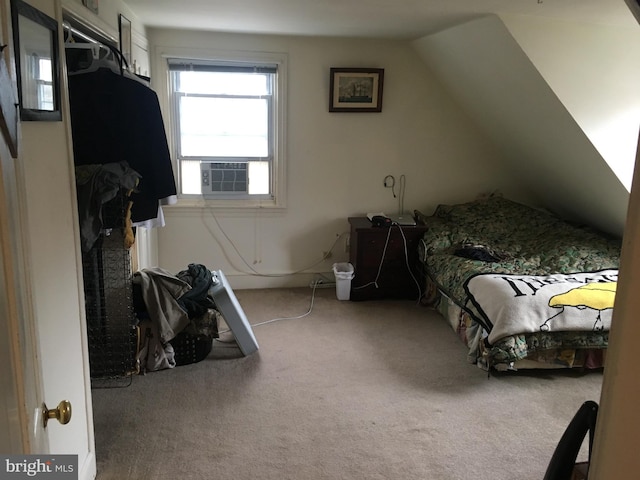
pixel 223 177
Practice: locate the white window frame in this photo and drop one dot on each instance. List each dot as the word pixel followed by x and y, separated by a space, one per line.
pixel 277 199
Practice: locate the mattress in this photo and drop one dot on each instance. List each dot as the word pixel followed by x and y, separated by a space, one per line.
pixel 496 237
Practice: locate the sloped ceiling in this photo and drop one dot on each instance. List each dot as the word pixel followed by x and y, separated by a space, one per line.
pixel 547 135
pixel 400 19
pixel 484 67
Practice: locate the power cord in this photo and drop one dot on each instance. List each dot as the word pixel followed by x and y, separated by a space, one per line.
pixel 384 251
pixel 390 182
pixel 313 296
pixel 402 185
pixel 253 271
pixel 317 282
pixel 406 257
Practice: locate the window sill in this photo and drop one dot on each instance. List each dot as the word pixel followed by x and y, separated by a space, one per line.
pixel 197 205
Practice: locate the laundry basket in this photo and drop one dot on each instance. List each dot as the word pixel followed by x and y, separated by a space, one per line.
pixel 343 273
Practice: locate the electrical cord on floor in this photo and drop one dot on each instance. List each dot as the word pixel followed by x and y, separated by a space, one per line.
pixel 315 284
pixel 253 271
pixel 313 296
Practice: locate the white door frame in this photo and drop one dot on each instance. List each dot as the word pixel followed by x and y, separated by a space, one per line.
pixel 20 380
pixel 23 362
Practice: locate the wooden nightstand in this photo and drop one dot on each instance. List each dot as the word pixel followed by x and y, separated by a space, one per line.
pixel 365 254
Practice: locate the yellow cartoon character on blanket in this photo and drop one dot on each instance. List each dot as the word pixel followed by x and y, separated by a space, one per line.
pixel 597 296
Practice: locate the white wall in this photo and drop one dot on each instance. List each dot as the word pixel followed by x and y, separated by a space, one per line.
pixel 618 425
pixel 615 452
pixel 594 72
pixel 336 162
pixel 107 21
pixel 483 66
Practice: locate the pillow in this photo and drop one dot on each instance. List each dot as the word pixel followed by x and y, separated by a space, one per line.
pixel 420 218
pixel 428 220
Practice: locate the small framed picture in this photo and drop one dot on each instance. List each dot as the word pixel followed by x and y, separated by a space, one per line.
pixel 356 89
pixel 124 25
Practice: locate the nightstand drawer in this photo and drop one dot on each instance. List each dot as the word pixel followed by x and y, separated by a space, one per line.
pixel 395 272
pixel 374 248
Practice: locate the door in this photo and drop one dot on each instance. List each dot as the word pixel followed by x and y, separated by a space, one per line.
pixel 14 341
pixel 41 291
pixel 19 376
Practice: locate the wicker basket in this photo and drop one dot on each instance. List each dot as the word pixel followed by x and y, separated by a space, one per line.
pixel 190 348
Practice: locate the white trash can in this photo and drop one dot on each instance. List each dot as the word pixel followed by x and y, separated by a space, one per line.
pixel 343 273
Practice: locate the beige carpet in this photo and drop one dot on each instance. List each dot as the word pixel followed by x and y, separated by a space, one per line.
pixel 356 390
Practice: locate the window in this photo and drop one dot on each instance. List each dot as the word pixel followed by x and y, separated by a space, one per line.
pixel 226 124
pixel 44 79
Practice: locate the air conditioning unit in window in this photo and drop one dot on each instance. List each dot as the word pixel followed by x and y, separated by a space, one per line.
pixel 223 177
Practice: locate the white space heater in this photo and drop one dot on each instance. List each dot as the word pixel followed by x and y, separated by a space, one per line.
pixel 228 305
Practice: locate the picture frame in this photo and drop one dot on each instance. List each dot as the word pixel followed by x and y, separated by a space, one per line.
pixel 35 38
pixel 124 26
pixel 356 89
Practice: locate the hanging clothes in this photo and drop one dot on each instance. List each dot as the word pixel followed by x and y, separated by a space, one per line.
pixel 95 186
pixel 115 118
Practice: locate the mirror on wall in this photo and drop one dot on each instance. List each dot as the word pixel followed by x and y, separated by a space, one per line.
pixel 37 62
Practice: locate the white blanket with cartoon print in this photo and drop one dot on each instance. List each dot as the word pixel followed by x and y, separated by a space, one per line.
pixel 514 304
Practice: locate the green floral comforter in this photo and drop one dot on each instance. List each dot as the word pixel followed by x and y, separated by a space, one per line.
pixel 496 235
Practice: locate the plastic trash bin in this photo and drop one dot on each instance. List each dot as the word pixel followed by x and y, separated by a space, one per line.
pixel 343 273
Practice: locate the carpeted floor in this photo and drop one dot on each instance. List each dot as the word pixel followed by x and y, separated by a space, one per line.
pixel 354 391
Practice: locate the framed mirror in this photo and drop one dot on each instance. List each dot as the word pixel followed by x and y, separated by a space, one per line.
pixel 35 37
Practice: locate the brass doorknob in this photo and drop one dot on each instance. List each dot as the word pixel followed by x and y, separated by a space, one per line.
pixel 62 413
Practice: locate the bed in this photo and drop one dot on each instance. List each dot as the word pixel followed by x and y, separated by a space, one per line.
pixel 521 287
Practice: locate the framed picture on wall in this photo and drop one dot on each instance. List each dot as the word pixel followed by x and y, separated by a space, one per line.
pixel 356 89
pixel 124 25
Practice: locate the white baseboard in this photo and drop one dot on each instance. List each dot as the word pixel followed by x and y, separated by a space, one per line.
pixel 240 281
